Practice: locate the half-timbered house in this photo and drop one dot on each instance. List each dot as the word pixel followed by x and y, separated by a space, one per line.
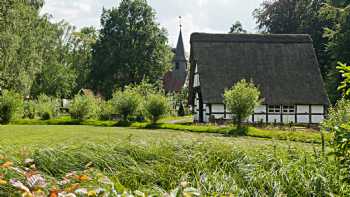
pixel 283 67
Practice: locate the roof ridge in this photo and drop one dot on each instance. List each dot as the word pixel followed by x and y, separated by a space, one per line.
pixel 257 38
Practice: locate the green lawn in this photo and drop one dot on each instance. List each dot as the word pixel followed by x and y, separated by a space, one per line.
pixel 19 136
pixel 157 161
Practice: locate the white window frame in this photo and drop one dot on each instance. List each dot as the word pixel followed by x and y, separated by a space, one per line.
pixel 288 109
pixel 274 109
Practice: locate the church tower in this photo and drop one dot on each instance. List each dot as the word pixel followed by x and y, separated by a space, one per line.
pixel 175 79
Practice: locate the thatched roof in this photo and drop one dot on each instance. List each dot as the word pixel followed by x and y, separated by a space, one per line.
pixel 284 67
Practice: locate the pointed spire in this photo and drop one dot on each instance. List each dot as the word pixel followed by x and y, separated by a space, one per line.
pixel 180 49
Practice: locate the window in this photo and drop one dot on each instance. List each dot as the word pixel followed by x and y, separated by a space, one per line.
pixel 177 65
pixel 289 109
pixel 274 109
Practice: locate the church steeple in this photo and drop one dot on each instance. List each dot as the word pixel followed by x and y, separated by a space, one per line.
pixel 180 49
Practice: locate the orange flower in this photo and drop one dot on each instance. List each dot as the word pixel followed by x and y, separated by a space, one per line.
pixel 3 182
pixel 73 187
pixel 83 178
pixel 7 164
pixel 53 193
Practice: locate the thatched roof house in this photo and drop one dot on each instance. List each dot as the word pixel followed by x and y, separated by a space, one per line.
pixel 284 67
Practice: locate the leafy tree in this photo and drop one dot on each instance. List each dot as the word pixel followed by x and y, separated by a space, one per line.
pixel 241 100
pixel 81 55
pixel 11 106
pixel 156 106
pixel 237 28
pixel 20 48
pixel 130 47
pixel 338 42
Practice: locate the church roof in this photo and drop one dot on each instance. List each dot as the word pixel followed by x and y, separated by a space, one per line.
pixel 284 67
pixel 180 49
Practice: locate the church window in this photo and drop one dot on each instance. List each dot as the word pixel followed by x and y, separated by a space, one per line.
pixel 177 65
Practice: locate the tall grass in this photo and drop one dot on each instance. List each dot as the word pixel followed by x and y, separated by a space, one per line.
pixel 211 167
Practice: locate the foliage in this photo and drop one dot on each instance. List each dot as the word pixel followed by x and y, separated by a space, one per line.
pixel 83 107
pixel 81 55
pixel 337 115
pixel 30 109
pixel 338 123
pixel 345 84
pixel 11 106
pixel 130 47
pixel 126 103
pixel 47 107
pixel 105 110
pixel 237 28
pixel 241 100
pixel 156 106
pixel 158 161
pixel 21 38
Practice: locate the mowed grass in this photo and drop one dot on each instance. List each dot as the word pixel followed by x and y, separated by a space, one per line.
pixel 157 161
pixel 20 136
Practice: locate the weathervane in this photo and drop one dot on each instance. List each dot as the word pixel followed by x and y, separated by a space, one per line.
pixel 180 22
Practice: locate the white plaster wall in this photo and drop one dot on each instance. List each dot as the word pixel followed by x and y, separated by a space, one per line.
pixel 205 116
pixel 302 108
pixel 261 109
pixel 272 118
pixel 303 118
pixel 317 109
pixel 249 120
pixel 217 108
pixel 288 119
pixel 196 102
pixel 257 118
pixel 317 118
pixel 196 82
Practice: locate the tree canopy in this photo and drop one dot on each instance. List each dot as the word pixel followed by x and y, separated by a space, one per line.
pixel 131 46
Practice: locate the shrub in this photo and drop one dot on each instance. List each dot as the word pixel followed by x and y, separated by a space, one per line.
pixel 126 103
pixel 11 104
pixel 337 115
pixel 81 107
pixel 105 110
pixel 241 100
pixel 337 123
pixel 156 106
pixel 345 84
pixel 47 107
pixel 29 109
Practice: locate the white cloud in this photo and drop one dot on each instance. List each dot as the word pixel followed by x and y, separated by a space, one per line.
pixel 197 15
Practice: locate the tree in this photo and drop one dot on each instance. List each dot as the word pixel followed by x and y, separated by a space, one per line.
pixel 237 28
pixel 241 100
pixel 81 55
pixel 338 42
pixel 130 47
pixel 156 106
pixel 21 38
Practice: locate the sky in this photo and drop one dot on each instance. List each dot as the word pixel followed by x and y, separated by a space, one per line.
pixel 210 16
